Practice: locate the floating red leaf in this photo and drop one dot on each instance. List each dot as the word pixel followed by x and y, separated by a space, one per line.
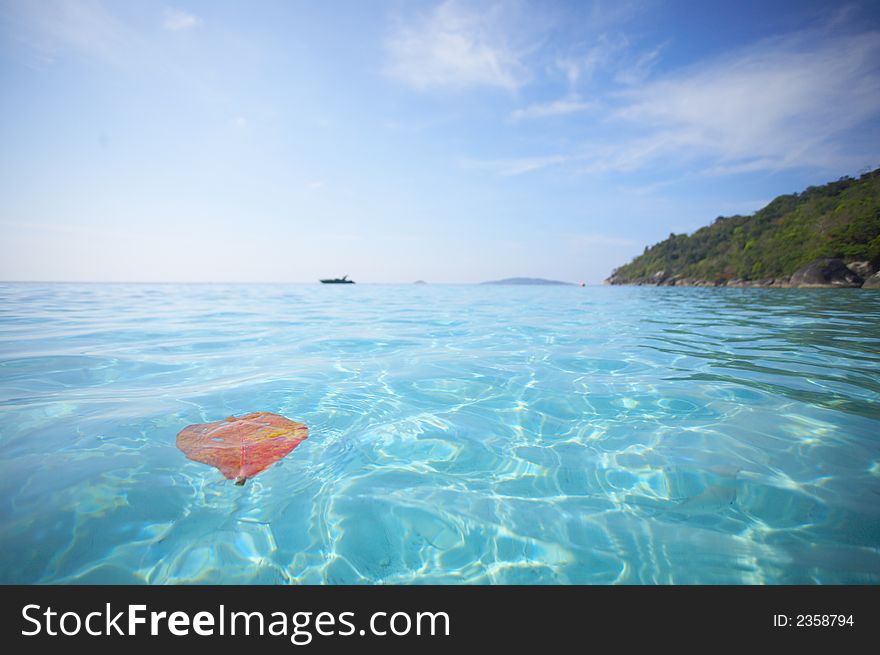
pixel 244 446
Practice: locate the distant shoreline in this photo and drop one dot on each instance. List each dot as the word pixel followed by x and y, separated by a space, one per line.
pixel 827 273
pixel 826 236
pixel 528 281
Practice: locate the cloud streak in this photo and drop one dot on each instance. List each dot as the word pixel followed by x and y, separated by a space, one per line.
pixel 785 102
pixel 458 46
pixel 562 107
pixel 512 166
pixel 776 105
pixel 48 29
pixel 176 20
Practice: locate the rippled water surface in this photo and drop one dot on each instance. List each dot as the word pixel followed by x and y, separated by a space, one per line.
pixel 458 434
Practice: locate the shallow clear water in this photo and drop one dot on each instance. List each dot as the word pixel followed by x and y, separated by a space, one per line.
pixel 458 434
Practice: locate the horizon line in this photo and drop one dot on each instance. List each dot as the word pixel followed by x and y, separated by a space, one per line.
pixel 575 284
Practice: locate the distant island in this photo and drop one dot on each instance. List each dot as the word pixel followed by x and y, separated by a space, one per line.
pixel 825 236
pixel 526 281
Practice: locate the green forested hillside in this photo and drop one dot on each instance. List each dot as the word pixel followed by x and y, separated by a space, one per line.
pixel 840 219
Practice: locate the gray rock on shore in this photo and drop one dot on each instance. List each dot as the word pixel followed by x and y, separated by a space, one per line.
pixel 826 273
pixel 831 273
pixel 863 269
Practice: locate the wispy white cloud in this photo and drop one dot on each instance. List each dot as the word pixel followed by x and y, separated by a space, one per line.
pixel 48 29
pixel 778 104
pixel 176 20
pixel 637 71
pixel 556 108
pixel 578 67
pixel 605 51
pixel 781 103
pixel 458 45
pixel 52 31
pixel 508 167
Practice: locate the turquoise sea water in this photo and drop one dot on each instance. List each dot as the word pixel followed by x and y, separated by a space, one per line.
pixel 458 434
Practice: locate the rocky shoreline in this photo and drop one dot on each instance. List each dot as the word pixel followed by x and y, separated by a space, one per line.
pixel 820 274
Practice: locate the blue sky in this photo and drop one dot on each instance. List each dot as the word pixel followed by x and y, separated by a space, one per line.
pixel 394 141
